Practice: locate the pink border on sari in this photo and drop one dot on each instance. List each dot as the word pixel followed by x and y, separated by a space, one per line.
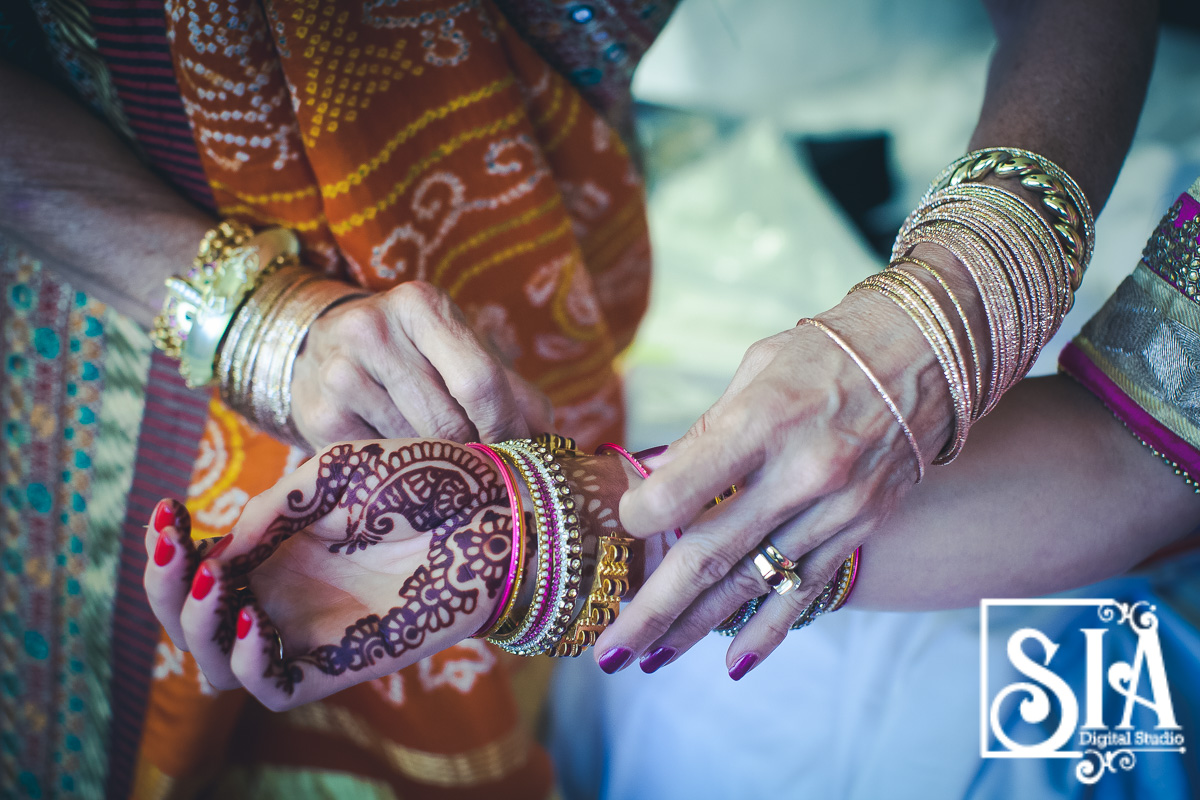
pixel 1076 363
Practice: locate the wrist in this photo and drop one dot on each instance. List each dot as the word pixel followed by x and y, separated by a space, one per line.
pixel 903 362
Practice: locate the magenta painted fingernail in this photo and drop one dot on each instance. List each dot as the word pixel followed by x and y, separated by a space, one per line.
pixel 743 665
pixel 615 659
pixel 658 658
pixel 651 452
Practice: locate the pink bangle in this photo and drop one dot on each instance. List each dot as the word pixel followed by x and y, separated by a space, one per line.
pixel 637 465
pixel 509 596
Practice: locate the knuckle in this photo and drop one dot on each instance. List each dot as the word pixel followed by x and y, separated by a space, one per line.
pixel 361 323
pixel 476 389
pixel 323 418
pixel 340 376
pixel 704 565
pixel 777 628
pixel 657 622
pixel 448 424
pixel 415 296
pixel 743 584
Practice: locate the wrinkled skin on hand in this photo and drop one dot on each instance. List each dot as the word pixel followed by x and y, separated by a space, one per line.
pixel 819 462
pixel 405 363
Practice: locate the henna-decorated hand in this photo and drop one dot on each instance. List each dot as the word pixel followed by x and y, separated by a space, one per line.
pixel 368 558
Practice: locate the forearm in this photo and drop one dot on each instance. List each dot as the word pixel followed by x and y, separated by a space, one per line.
pixel 1068 80
pixel 79 198
pixel 1052 493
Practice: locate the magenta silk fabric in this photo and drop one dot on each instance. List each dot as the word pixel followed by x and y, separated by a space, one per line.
pixel 1074 362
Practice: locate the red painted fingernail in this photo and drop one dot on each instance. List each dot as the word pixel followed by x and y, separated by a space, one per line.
pixel 615 659
pixel 203 582
pixel 164 515
pixel 243 624
pixel 658 658
pixel 220 546
pixel 743 665
pixel 164 551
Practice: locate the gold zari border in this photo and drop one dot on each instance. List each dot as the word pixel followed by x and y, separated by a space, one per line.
pixel 1101 336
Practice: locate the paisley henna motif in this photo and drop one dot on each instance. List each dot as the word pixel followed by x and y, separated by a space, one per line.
pixel 427 483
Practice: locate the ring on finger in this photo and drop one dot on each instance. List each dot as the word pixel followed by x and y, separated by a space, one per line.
pixel 776 569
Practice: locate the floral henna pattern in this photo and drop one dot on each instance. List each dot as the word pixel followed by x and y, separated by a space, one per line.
pixel 427 483
pixel 432 485
pixel 461 553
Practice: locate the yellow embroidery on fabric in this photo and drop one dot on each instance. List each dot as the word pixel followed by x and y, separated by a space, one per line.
pixel 264 199
pixel 603 260
pixel 598 240
pixel 558 305
pixel 552 109
pixel 443 150
pixel 554 382
pixel 484 764
pixel 303 226
pixel 486 234
pixel 408 131
pixel 572 118
pixel 566 394
pixel 559 231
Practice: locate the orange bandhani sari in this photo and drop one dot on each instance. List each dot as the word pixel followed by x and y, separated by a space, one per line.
pixel 401 140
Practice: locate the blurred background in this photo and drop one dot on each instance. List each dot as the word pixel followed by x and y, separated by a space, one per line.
pixel 786 141
pixel 784 144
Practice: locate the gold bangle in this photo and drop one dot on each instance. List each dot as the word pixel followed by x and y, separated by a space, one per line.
pixel 1073 223
pixel 255 362
pixel 962 317
pixel 883 394
pixel 199 309
pixel 912 297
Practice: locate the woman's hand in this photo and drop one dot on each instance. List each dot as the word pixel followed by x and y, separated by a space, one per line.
pixel 405 363
pixel 819 461
pixel 369 557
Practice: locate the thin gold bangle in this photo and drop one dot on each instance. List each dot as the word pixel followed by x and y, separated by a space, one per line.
pixel 883 394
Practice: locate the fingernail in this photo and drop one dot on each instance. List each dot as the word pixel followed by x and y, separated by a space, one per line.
pixel 203 582
pixel 220 546
pixel 164 515
pixel 243 624
pixel 615 659
pixel 743 665
pixel 164 550
pixel 651 452
pixel 658 658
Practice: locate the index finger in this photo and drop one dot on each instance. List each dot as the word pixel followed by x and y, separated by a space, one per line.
pixel 707 465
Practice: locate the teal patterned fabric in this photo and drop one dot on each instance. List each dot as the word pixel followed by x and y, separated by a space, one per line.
pixel 71 405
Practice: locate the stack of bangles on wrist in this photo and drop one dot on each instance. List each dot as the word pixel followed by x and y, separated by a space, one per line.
pixel 1026 262
pixel 557 614
pixel 240 316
